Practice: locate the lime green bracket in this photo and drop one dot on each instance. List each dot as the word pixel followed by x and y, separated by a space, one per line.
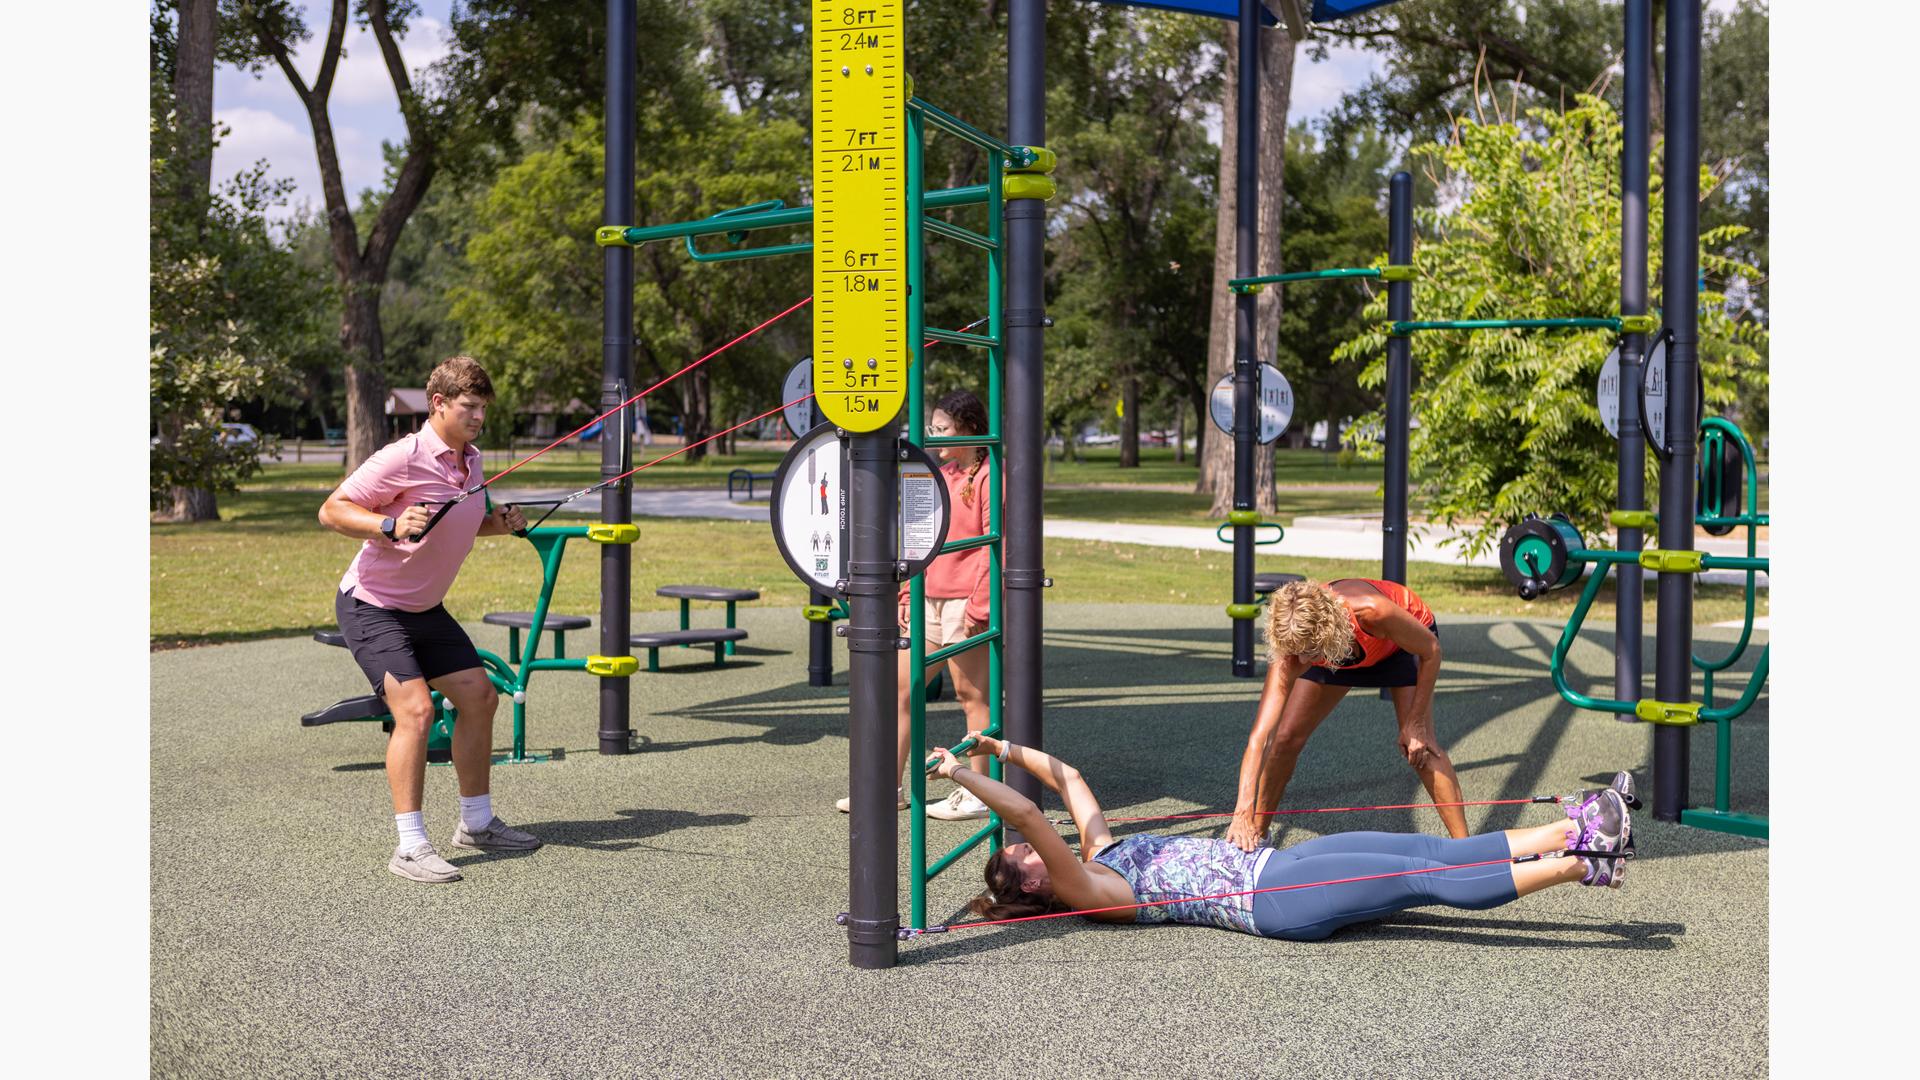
pixel 612 667
pixel 1639 324
pixel 1246 288
pixel 1243 517
pixel 1667 713
pixel 1032 159
pixel 1243 611
pixel 1392 272
pixel 1664 561
pixel 818 612
pixel 1634 519
pixel 601 532
pixel 1026 186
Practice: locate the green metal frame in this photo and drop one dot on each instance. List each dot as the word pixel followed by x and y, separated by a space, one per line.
pixel 1721 818
pixel 1401 329
pixel 1000 158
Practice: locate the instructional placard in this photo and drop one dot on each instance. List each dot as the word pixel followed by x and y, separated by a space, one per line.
pixel 801 416
pixel 1276 404
pixel 810 508
pixel 860 345
pixel 1654 372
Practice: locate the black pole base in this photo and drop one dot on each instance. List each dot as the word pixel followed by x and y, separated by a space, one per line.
pixel 873 943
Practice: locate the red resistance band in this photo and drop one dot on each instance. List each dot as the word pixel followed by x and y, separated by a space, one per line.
pixel 905 933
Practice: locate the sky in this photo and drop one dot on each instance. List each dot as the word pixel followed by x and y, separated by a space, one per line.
pixel 266 120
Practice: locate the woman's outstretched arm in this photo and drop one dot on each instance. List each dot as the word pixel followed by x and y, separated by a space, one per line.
pixel 1063 780
pixel 1073 883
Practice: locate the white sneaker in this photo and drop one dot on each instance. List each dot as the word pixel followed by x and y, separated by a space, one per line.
pixel 845 805
pixel 962 805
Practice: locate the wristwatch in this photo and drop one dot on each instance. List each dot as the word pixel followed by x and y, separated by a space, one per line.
pixel 386 526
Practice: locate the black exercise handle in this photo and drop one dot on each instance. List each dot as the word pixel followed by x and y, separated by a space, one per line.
pixel 435 520
pixel 521 533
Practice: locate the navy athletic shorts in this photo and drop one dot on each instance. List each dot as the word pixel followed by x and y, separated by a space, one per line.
pixel 406 644
pixel 1401 668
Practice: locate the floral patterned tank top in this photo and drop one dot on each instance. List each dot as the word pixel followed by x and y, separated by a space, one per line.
pixel 1163 867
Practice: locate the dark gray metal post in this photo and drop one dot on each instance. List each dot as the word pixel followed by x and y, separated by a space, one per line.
pixel 1024 416
pixel 1680 269
pixel 873 679
pixel 1393 525
pixel 1632 494
pixel 819 645
pixel 1246 394
pixel 616 356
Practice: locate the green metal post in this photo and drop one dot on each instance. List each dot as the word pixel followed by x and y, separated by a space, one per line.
pixel 915 424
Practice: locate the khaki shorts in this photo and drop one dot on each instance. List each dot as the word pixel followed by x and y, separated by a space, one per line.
pixel 946 621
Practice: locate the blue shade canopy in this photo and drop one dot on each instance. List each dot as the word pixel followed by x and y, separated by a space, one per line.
pixel 1323 10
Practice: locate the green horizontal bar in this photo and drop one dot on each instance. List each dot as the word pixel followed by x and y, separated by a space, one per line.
pixel 955 232
pixel 971 842
pixel 1727 822
pixel 1308 275
pixel 1607 323
pixel 971 542
pixel 959 647
pixel 953 125
pixel 961 440
pixel 751 253
pixel 1604 556
pixel 636 235
pixel 1743 519
pixel 955 337
pixel 1733 562
pixel 548 663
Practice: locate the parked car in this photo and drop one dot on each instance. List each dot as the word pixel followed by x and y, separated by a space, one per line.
pixel 238 435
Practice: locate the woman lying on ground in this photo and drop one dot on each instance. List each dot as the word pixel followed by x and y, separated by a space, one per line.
pixel 1044 875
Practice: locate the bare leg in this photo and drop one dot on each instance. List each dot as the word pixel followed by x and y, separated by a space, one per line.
pixel 1531 877
pixel 903 701
pixel 969 671
pixel 1429 759
pixel 412 709
pixel 1307 706
pixel 472 693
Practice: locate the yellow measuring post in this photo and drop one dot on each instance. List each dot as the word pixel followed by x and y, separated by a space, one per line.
pixel 860 347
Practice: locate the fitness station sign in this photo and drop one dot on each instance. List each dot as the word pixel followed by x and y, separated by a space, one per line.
pixel 1654 368
pixel 1276 404
pixel 810 508
pixel 801 415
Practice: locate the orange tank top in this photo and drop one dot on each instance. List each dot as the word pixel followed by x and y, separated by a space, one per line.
pixel 1370 649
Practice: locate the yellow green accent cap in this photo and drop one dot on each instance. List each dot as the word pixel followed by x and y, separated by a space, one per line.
pixel 1044 161
pixel 1633 519
pixel 1638 324
pixel 1027 186
pixel 817 613
pixel 610 236
pixel 1243 517
pixel 1256 287
pixel 1672 562
pixel 601 532
pixel 1243 611
pixel 1392 272
pixel 612 667
pixel 1669 713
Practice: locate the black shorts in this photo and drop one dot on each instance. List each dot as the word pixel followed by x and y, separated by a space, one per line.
pixel 405 644
pixel 1400 668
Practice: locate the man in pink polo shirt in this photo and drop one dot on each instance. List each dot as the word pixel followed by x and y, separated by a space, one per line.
pixel 401 635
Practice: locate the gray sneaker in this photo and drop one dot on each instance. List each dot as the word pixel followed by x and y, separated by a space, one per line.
pixel 497 836
pixel 421 863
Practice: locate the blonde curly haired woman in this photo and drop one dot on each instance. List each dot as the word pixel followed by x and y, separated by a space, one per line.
pixel 1324 638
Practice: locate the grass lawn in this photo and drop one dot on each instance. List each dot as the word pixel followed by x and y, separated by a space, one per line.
pixel 1101 465
pixel 267 568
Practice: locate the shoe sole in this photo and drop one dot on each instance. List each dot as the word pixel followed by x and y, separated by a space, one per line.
pixel 982 816
pixel 494 847
pixel 397 872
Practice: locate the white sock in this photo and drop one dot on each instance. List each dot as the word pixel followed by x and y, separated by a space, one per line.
pixel 476 811
pixel 413 828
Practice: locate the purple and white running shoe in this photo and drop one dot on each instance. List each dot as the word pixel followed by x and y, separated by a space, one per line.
pixel 1604 825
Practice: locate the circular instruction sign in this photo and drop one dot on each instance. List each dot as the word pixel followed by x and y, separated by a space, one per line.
pixel 810 508
pixel 801 416
pixel 1276 404
pixel 1654 369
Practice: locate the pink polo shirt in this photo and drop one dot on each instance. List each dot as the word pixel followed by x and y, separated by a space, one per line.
pixel 418 468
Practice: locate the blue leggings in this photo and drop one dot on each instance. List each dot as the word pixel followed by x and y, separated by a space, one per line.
pixel 1312 914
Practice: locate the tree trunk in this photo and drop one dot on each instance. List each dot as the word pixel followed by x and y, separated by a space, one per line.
pixel 1276 88
pixel 365 346
pixel 1202 429
pixel 699 414
pixel 193 121
pixel 1130 422
pixel 1179 432
pixel 193 93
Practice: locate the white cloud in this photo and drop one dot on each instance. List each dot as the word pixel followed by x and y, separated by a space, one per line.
pixel 1319 87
